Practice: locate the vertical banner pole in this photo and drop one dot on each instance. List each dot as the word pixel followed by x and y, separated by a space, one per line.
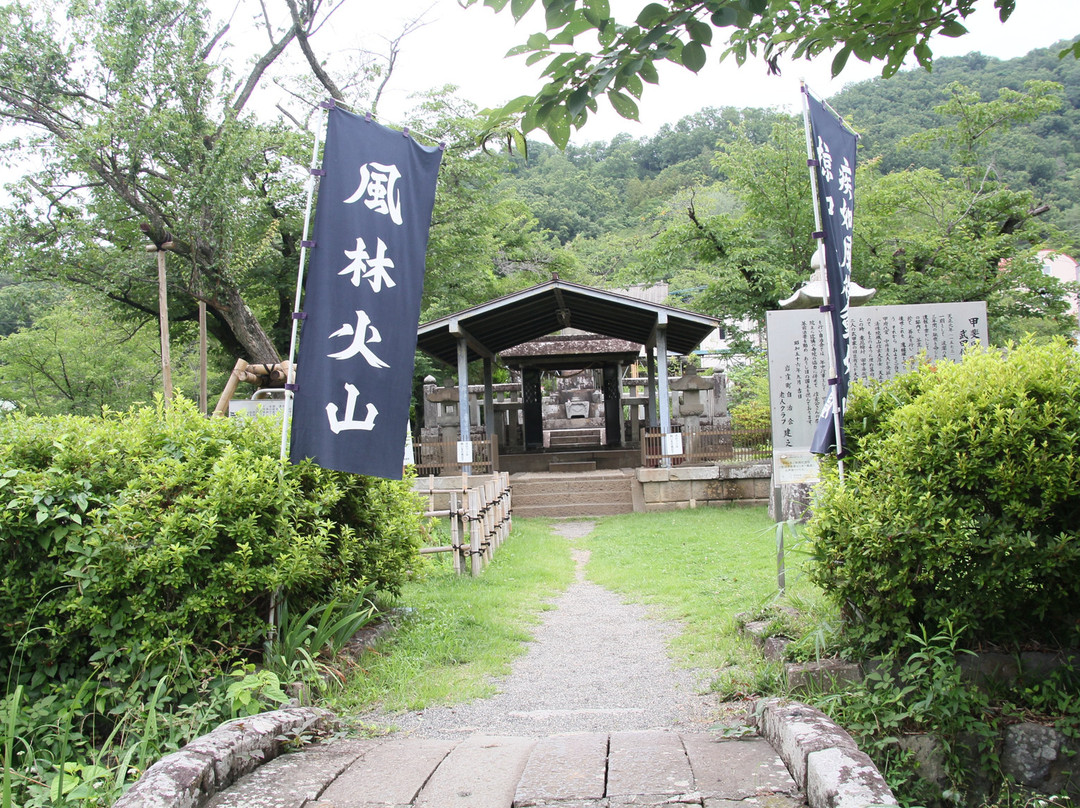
pixel 829 347
pixel 290 377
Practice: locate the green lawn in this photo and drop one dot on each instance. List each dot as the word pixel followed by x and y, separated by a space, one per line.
pixel 700 567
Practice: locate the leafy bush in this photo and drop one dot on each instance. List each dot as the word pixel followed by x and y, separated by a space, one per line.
pixel 135 543
pixel 920 692
pixel 961 501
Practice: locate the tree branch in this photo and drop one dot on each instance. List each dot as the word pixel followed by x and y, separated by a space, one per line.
pixel 299 31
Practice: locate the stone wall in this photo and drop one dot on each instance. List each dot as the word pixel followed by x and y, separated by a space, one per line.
pixel 680 487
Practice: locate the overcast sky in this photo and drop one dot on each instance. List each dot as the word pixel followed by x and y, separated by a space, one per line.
pixel 466 47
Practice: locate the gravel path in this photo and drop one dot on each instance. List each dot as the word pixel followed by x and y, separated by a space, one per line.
pixel 595 664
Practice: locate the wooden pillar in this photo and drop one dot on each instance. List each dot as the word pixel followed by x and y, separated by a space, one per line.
pixel 163 322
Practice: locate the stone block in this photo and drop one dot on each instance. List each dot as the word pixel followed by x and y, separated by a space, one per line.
pixel 676 492
pixel 796 730
pixel 736 769
pixel 988 666
pixel 694 473
pixel 844 778
pixel 930 757
pixel 751 471
pixel 647 763
pixel 1038 665
pixel 653 492
pixel 765 801
pixel 822 676
pixel 725 490
pixel 774 649
pixel 657 475
pixel 380 778
pixel 292 779
pixel 482 770
pixel 1029 751
pixel 563 768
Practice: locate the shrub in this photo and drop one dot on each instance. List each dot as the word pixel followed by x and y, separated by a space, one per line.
pixel 136 543
pixel 961 501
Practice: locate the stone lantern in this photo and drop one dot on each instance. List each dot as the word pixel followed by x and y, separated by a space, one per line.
pixel 813 293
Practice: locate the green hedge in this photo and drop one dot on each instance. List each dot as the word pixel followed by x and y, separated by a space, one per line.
pixel 961 503
pixel 136 542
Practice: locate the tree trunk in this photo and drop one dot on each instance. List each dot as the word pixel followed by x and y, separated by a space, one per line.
pixel 231 308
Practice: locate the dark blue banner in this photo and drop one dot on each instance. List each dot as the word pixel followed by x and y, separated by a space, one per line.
pixel 833 163
pixel 362 298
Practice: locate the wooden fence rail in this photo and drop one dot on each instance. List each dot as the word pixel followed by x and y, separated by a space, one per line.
pixel 480 520
pixel 440 458
pixel 709 446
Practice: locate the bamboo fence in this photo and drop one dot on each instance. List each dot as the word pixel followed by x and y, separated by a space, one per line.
pixel 480 520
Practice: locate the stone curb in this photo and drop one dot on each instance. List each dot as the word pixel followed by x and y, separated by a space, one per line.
pixel 190 777
pixel 822 758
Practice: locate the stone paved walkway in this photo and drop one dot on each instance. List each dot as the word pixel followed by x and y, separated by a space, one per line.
pixel 578 770
pixel 593 715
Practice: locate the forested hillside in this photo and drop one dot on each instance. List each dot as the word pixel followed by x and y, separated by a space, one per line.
pixel 962 170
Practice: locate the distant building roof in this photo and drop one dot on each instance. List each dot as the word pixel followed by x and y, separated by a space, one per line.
pixel 550 307
pixel 569 351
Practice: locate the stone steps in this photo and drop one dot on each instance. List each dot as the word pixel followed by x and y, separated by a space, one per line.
pixel 555 495
pixel 565 438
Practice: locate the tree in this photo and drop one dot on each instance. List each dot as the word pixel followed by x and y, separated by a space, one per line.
pixel 144 134
pixel 679 31
pixel 78 357
pixel 927 237
pixel 921 236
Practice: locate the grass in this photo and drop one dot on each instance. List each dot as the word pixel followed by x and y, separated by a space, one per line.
pixel 699 567
pixel 462 631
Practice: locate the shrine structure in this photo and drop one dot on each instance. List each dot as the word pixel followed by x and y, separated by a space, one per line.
pixel 576 400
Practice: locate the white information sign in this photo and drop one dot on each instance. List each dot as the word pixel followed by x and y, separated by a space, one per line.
pixel 464 451
pixel 884 340
pixel 672 444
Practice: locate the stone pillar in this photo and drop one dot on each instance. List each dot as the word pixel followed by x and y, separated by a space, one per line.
pixel 431 408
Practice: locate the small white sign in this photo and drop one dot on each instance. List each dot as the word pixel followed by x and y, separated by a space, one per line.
pixel 673 444
pixel 794 468
pixel 252 409
pixel 464 451
pixel 409 458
